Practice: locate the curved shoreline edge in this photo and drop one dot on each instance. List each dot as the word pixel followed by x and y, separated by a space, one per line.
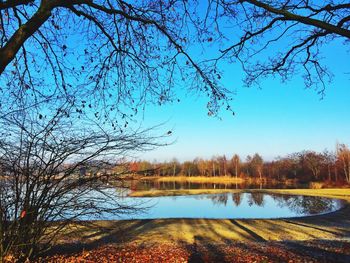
pixel 330 226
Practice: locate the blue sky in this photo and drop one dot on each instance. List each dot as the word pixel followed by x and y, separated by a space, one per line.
pixel 278 119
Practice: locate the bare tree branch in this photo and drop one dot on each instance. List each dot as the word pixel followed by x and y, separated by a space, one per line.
pixel 304 19
pixel 13 3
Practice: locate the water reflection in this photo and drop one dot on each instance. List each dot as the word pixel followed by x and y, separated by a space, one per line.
pixel 235 205
pixel 300 205
pixel 145 185
pixel 236 198
pixel 257 199
pixel 219 199
pixel 306 204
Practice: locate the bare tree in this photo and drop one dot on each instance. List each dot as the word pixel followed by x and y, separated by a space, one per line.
pixel 132 53
pixel 107 60
pixel 330 161
pixel 314 162
pixel 236 163
pixel 112 53
pixel 282 38
pixel 257 164
pixel 43 183
pixel 343 154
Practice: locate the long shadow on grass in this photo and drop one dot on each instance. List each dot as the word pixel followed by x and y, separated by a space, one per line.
pixel 313 227
pixel 113 233
pixel 250 232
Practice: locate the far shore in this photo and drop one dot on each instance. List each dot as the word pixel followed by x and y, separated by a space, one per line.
pixel 193 179
pixel 330 192
pixel 222 179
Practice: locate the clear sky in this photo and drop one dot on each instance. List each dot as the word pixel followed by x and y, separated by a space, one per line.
pixel 278 119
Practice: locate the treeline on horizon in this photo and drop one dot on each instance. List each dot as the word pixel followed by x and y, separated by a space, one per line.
pixel 303 167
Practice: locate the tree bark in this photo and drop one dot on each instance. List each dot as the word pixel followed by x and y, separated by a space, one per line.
pixel 9 51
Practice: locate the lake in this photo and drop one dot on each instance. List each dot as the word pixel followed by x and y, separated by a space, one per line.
pixel 228 205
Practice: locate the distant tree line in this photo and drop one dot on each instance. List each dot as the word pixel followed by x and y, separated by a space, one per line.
pixel 304 166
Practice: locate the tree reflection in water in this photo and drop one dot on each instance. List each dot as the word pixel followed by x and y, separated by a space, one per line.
pixel 219 199
pixel 301 205
pixel 237 198
pixel 256 198
pixel 305 204
pixel 143 185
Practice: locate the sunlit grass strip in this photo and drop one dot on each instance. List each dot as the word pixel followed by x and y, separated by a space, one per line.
pixel 155 193
pixel 197 179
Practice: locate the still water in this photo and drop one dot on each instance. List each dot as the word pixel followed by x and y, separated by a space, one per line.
pixel 229 205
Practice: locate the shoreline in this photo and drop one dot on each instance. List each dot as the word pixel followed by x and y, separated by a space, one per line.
pixel 333 224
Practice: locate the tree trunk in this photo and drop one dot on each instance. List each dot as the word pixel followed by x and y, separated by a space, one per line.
pixel 260 175
pixel 336 173
pixel 9 51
